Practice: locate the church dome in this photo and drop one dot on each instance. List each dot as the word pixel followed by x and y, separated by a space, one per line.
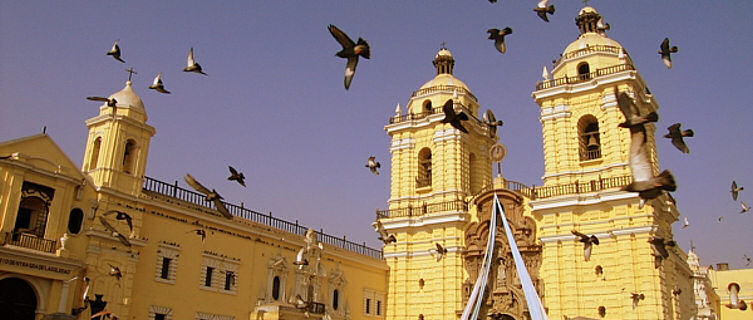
pixel 127 98
pixel 444 80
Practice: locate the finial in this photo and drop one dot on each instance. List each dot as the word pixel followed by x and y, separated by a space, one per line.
pixel 44 130
pixel 692 247
pixel 398 109
pixel 585 2
pixel 443 47
pixel 545 73
pixel 131 72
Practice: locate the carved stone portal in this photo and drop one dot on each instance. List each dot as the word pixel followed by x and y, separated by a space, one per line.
pixel 503 298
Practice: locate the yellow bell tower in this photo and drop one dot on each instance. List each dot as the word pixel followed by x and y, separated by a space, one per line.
pixel 118 144
pixel 586 162
pixel 435 168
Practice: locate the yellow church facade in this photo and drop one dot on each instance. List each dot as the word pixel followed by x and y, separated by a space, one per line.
pixel 62 225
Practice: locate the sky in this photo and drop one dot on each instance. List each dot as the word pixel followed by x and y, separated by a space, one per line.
pixel 274 106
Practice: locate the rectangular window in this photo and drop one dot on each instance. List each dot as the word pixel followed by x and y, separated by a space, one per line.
pixel 378 307
pixel 368 306
pixel 159 316
pixel 229 279
pixel 165 274
pixel 208 279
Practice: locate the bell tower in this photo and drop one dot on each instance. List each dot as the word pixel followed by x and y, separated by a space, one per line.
pixel 586 163
pixel 435 168
pixel 118 144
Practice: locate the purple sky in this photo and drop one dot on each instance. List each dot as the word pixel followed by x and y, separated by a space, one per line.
pixel 274 106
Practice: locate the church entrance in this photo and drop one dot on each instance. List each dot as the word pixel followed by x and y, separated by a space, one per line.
pixel 17 299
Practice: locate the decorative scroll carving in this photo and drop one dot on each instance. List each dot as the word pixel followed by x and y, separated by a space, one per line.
pixel 504 298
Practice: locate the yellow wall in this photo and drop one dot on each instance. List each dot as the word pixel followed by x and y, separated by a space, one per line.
pixel 721 280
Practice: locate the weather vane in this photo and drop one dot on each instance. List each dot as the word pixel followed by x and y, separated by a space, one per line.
pixel 131 72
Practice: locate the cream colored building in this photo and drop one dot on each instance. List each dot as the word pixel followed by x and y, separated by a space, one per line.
pixel 54 234
pixel 722 279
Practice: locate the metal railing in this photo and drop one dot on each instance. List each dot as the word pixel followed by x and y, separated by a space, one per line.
pixel 31 241
pixel 172 190
pixel 583 77
pixel 437 110
pixel 586 155
pixel 579 187
pixel 410 211
pixel 443 88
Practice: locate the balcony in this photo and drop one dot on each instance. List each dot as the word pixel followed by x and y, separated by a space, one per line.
pixel 546 84
pixel 30 241
pixel 438 110
pixel 154 186
pixel 443 89
pixel 410 211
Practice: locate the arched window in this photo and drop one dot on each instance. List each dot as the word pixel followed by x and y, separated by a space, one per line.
pixel 31 218
pixel 276 288
pixel 128 156
pixel 424 168
pixel 584 71
pixel 75 218
pixel 589 142
pixel 95 153
pixel 335 299
pixel 427 107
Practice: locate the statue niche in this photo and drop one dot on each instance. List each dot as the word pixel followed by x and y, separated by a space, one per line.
pixel 503 297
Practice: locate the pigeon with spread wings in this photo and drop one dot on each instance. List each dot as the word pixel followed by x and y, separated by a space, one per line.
pixel 383 235
pixel 499 38
pixel 192 65
pixel 542 9
pixel 677 137
pixel 659 246
pixel 644 182
pixel 212 196
pixel 115 51
pixel 491 121
pixel 454 119
pixel 158 85
pixel 373 165
pixel 236 176
pixel 351 50
pixel 123 239
pixel 665 51
pixel 734 190
pixel 122 216
pixel 588 242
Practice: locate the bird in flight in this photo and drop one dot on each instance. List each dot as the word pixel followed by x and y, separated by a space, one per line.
pixel 588 242
pixel 745 207
pixel 122 216
pixel 383 235
pixel 115 272
pixel 542 9
pixel 659 246
pixel 734 300
pixel 351 50
pixel 211 196
pixel 236 176
pixel 685 223
pixel 499 38
pixel 491 121
pixel 123 239
pixel 454 119
pixel 158 85
pixel 115 51
pixel 192 65
pixel 440 251
pixel 373 165
pixel 677 137
pixel 734 190
pixel 665 51
pixel 747 259
pixel 644 182
pixel 636 297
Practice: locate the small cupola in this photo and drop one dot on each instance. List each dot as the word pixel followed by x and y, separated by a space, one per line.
pixel 443 61
pixel 587 20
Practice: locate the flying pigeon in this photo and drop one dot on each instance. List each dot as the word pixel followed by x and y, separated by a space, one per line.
pixel 542 9
pixel 454 118
pixel 644 182
pixel 123 239
pixel 192 65
pixel 115 51
pixel 659 246
pixel 734 301
pixel 491 121
pixel 350 51
pixel 636 297
pixel 588 241
pixel 212 196
pixel 686 223
pixel 734 189
pixel 440 250
pixel 115 272
pixel 676 135
pixel 373 165
pixel 748 259
pixel 719 220
pixel 745 207
pixel 236 176
pixel 104 314
pixel 665 51
pixel 499 38
pixel 300 261
pixel 383 235
pixel 602 27
pixel 676 291
pixel 158 85
pixel 200 232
